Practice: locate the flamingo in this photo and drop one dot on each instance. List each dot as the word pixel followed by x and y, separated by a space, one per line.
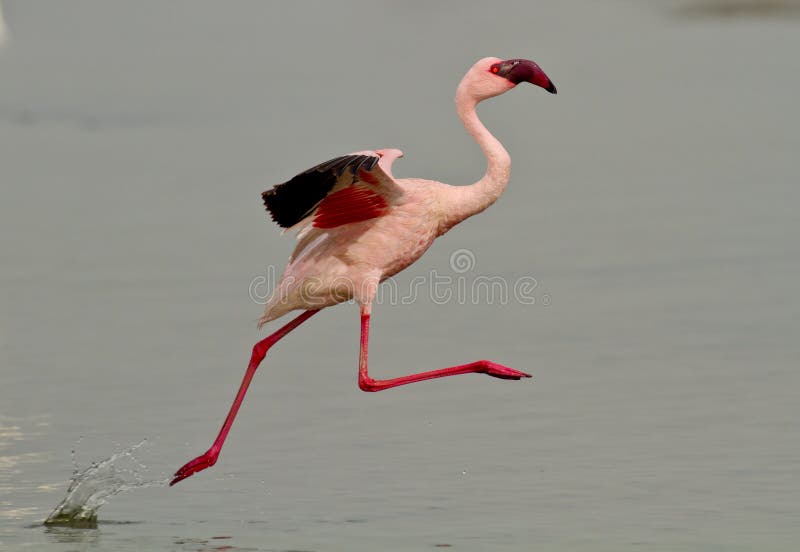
pixel 358 225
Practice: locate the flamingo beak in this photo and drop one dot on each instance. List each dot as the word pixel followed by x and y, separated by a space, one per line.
pixel 525 70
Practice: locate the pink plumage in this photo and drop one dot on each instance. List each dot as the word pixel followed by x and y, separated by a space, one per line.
pixel 357 225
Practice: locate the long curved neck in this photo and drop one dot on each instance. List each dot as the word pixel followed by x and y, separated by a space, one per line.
pixel 472 199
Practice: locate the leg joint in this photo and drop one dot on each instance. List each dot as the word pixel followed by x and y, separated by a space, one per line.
pixel 260 349
pixel 368 384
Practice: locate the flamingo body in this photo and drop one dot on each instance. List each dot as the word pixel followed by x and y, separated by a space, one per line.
pixel 332 265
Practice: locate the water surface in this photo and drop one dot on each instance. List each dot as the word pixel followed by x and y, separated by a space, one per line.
pixel 653 201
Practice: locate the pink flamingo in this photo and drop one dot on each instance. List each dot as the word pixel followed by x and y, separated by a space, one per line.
pixel 358 225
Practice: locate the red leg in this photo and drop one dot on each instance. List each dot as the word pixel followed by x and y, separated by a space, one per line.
pixel 366 383
pixel 259 352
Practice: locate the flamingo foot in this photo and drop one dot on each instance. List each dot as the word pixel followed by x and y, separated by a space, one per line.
pixel 193 466
pixel 500 371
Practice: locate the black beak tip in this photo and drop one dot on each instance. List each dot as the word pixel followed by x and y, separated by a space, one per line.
pixel 551 87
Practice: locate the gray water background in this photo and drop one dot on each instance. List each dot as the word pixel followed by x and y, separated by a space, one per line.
pixel 654 200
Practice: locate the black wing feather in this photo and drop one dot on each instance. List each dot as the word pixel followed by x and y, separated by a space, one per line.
pixel 292 201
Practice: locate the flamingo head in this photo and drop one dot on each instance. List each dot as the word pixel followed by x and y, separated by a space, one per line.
pixel 493 76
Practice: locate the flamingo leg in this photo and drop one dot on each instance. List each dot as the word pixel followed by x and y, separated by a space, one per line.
pixel 366 383
pixel 209 458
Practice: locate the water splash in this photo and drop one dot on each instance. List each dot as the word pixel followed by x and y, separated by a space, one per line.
pixel 92 487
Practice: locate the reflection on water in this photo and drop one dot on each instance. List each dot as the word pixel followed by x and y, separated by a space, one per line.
pixel 13 432
pixel 222 542
pixel 71 535
pixel 76 534
pixel 92 487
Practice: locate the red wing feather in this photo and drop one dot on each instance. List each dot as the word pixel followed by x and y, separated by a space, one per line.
pixel 352 204
pixel 346 189
pixel 368 177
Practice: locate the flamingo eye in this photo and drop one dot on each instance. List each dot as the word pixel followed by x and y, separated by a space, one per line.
pixel 495 68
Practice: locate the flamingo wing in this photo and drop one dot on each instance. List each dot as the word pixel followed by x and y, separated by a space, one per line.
pixel 343 190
